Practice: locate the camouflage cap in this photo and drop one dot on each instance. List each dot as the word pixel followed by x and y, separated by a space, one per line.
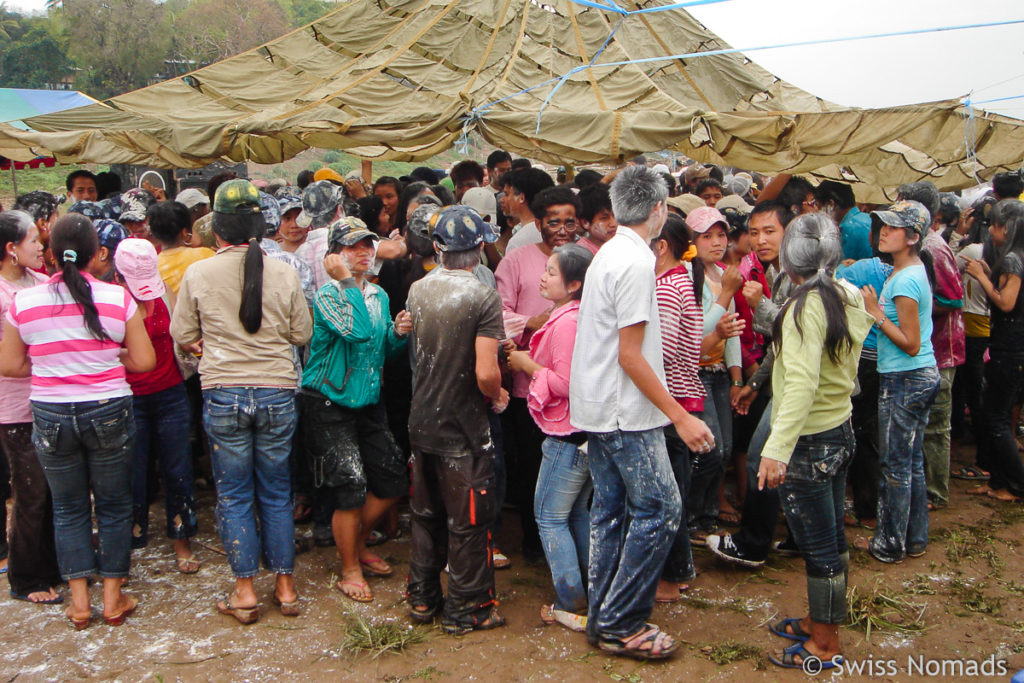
pixel 110 233
pixel 347 231
pixel 204 228
pixel 91 210
pixel 286 201
pixel 112 207
pixel 237 196
pixel 422 220
pixel 38 204
pixel 460 228
pixel 319 202
pixel 949 202
pixel 134 204
pixel 904 214
pixel 271 211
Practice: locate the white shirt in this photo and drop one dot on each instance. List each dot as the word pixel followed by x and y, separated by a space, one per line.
pixel 975 299
pixel 619 292
pixel 524 234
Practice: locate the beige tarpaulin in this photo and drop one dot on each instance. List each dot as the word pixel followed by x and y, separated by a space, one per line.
pixel 405 79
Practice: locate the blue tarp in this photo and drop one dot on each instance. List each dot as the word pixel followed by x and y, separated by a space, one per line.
pixel 21 103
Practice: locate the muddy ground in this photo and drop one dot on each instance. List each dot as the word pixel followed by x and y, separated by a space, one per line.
pixel 966 593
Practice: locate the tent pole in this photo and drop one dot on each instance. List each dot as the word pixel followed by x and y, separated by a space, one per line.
pixel 14 180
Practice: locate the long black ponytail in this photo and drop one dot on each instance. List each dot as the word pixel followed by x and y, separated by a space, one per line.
pixel 811 250
pixel 240 229
pixel 74 243
pixel 677 236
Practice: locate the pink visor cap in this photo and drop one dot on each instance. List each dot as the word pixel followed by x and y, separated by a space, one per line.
pixel 135 260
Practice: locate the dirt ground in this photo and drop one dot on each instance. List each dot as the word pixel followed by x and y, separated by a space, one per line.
pixel 966 592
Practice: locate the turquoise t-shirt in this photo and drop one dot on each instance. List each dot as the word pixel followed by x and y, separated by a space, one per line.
pixel 911 282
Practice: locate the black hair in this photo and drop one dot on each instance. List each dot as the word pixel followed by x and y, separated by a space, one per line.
pixel 639 160
pixel 498 156
pixel 528 182
pixel 678 238
pixel 1008 185
pixel 706 183
pixel 795 192
pixel 736 219
pixel 74 233
pixel 553 196
pixel 424 174
pixel 405 197
pixel 573 261
pixel 466 169
pixel 304 178
pixel 521 164
pixel 38 204
pixel 924 192
pixel 167 219
pixel 587 178
pixel 238 229
pixel 781 211
pixel 369 212
pixel 69 182
pixel 1008 213
pixel 811 249
pixel 443 193
pixel 832 191
pixel 389 180
pixel 14 227
pixel 593 199
pixel 108 184
pixel 670 180
pixel 982 210
pixel 216 181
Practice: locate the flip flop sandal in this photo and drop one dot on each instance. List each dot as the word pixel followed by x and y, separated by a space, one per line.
pixel 288 609
pixel 493 620
pixel 797 634
pixel 358 584
pixel 244 615
pixel 970 473
pixel 49 601
pixel 788 660
pixel 425 616
pixel 188 565
pixel 374 568
pixel 500 560
pixel 376 538
pixel 574 622
pixel 632 647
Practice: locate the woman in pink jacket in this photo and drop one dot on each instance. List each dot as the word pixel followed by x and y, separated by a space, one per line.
pixel 563 485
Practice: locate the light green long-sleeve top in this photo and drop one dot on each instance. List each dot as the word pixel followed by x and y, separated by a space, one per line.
pixel 811 393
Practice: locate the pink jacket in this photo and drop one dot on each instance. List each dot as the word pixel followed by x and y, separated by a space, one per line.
pixel 551 346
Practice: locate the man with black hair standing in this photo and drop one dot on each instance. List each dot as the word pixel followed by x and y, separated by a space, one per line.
pixel 520 189
pixel 499 162
pixel 81 185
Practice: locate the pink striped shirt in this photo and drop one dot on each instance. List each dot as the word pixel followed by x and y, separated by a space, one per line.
pixel 682 330
pixel 69 365
pixel 14 391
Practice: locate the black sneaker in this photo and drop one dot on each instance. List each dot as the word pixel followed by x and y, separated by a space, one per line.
pixel 787 547
pixel 724 548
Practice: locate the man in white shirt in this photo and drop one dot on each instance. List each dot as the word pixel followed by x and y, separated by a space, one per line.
pixel 618 395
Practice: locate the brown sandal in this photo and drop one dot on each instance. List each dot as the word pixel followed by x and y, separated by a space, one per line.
pixel 244 615
pixel 188 565
pixel 288 609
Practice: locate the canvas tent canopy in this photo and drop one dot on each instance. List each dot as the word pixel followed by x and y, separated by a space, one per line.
pixel 406 79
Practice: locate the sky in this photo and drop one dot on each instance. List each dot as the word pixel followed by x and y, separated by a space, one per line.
pixel 988 62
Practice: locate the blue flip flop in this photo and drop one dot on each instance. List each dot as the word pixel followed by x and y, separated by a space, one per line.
pixel 809 663
pixel 798 633
pixel 51 601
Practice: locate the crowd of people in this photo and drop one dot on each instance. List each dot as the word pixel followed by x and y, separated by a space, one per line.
pixel 595 352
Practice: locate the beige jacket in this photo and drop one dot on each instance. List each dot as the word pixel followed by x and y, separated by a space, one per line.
pixel 207 309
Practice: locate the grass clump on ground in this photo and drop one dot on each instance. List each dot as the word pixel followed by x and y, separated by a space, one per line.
pixel 375 637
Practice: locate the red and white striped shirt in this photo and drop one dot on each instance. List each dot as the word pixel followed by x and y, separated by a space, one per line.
pixel 682 330
pixel 69 365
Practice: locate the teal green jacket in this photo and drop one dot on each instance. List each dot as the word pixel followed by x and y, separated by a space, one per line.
pixel 352 334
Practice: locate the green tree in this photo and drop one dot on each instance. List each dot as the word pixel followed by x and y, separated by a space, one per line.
pixel 302 12
pixel 119 44
pixel 34 59
pixel 210 30
pixel 9 21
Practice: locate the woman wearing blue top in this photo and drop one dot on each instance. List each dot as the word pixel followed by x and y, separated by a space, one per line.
pixel 358 469
pixel 908 380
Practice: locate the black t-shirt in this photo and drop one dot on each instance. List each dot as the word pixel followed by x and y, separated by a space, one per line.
pixel 449 311
pixel 1008 328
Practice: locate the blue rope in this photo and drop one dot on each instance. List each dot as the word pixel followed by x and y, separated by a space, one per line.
pixel 1000 99
pixel 596 4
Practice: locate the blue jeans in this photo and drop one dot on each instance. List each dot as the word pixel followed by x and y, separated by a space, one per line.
pixel 707 469
pixel 904 400
pixel 83 445
pixel 560 507
pixel 812 495
pixel 162 425
pixel 633 520
pixel 250 432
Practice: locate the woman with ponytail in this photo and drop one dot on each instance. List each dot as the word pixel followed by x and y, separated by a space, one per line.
pixel 818 337
pixel 83 336
pixel 244 313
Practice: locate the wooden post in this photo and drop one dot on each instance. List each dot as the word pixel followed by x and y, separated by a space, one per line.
pixel 367 170
pixel 14 180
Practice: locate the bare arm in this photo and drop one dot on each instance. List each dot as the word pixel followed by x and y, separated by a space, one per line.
pixel 774 187
pixel 14 359
pixel 488 374
pixel 137 354
pixel 691 430
pixel 907 334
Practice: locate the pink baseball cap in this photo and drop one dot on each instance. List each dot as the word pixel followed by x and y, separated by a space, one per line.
pixel 135 260
pixel 702 218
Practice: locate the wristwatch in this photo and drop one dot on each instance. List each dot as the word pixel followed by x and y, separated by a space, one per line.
pixel 737 383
